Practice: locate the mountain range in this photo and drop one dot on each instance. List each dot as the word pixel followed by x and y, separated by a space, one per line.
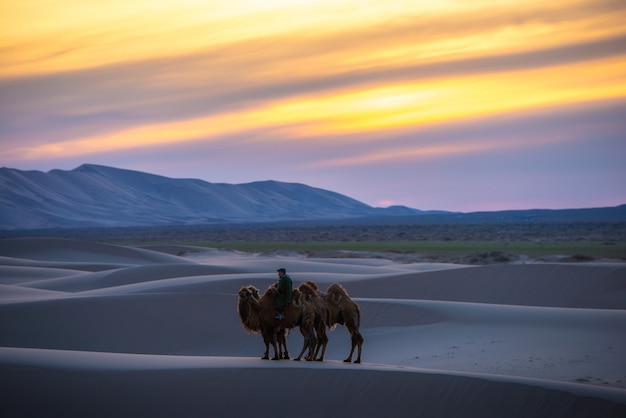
pixel 95 195
pixel 99 196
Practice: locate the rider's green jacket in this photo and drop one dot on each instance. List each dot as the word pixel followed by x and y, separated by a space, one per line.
pixel 285 287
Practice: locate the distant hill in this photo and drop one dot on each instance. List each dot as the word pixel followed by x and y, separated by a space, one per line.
pixel 537 216
pixel 100 196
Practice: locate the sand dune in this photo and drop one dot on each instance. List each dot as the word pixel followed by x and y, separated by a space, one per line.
pixel 100 330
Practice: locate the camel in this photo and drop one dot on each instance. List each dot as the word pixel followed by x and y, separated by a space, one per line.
pixel 257 314
pixel 343 311
pixel 306 323
pixel 322 317
pixel 248 308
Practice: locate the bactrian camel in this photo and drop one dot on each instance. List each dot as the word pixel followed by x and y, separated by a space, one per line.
pixel 258 315
pixel 322 317
pixel 343 311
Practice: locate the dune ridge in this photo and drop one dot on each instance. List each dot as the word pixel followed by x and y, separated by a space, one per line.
pixel 152 333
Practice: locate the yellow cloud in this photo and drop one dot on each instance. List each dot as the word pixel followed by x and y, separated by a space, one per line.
pixel 402 106
pixel 434 101
pixel 255 44
pixel 43 36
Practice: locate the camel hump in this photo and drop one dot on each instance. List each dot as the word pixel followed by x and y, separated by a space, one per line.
pixel 307 289
pixel 297 297
pixel 337 289
pixel 311 284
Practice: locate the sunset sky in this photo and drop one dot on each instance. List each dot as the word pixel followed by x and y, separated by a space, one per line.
pixel 461 105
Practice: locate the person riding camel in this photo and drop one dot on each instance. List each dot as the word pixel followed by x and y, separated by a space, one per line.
pixel 285 289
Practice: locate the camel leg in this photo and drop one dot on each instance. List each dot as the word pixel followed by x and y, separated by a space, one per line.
pixel 349 358
pixel 270 339
pixel 357 341
pixel 321 345
pixel 266 355
pixel 304 346
pixel 307 343
pixel 279 344
pixel 322 342
pixel 276 351
pixel 312 343
pixel 282 345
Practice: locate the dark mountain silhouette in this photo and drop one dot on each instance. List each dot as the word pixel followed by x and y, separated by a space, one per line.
pixel 93 195
pixel 100 196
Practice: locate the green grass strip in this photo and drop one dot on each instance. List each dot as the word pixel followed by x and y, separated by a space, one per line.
pixel 593 249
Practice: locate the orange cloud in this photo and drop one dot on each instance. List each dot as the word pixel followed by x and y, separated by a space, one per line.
pixel 401 106
pixel 305 36
pixel 302 69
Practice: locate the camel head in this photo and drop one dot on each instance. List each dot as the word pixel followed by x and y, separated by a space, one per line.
pixel 248 307
pixel 249 294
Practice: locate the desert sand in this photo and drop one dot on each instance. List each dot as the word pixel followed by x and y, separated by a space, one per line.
pixel 89 329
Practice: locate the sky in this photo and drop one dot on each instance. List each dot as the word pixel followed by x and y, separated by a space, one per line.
pixel 437 105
